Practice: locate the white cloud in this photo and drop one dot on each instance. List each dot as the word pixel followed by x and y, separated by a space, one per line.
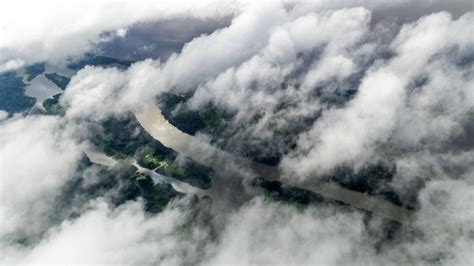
pixel 121 32
pixel 3 115
pixel 207 56
pixel 270 233
pixel 350 134
pixel 101 92
pixel 95 92
pixel 255 85
pixel 38 155
pixel 53 30
pixel 243 67
pixel 12 64
pixel 102 235
pixel 445 216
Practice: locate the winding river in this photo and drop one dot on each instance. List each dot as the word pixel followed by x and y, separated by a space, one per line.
pixel 151 119
pixel 230 177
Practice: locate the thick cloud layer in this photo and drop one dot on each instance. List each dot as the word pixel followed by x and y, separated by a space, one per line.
pixel 37 157
pixel 105 236
pixel 325 85
pixel 263 233
pixel 271 51
pixel 51 30
pixel 350 133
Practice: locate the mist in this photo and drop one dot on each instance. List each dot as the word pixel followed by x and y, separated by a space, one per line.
pixel 309 90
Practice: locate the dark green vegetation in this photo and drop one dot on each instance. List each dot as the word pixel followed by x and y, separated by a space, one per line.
pixel 124 137
pixel 98 60
pixel 373 179
pixel 155 196
pixel 116 185
pixel 188 171
pixel 209 119
pixel 187 121
pixel 298 197
pixel 259 150
pixel 12 93
pixel 217 123
pixel 119 184
pixel 34 70
pixel 384 232
pixel 52 107
pixel 59 80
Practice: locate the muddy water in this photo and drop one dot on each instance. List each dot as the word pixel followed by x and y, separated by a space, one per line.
pixel 177 185
pixel 227 185
pixel 230 174
pixel 99 157
pixel 42 88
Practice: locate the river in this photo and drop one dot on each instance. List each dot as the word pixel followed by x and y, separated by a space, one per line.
pixel 232 176
pixel 42 88
pixel 100 158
